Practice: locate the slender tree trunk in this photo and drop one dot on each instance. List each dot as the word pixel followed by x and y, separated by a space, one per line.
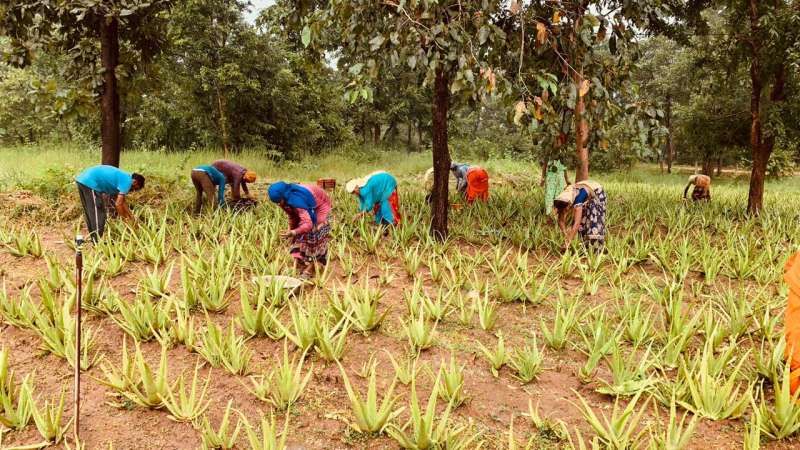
pixel 670 142
pixel 544 172
pixel 441 156
pixel 109 101
pixel 408 136
pixel 755 198
pixel 719 165
pixel 223 121
pixel 581 135
pixel 376 133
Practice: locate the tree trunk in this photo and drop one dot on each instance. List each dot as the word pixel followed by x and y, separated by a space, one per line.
pixel 670 142
pixel 376 133
pixel 719 165
pixel 223 121
pixel 760 154
pixel 408 136
pixel 109 101
pixel 441 156
pixel 544 173
pixel 581 135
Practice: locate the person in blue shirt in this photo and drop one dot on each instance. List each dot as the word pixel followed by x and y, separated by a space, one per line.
pixel 377 193
pixel 99 184
pixel 207 179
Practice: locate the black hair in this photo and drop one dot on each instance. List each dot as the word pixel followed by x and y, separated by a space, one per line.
pixel 560 204
pixel 139 178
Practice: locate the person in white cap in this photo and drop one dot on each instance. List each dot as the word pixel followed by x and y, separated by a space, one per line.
pixel 587 200
pixel 377 193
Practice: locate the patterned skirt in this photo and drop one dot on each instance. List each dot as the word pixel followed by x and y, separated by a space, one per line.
pixel 593 224
pixel 312 246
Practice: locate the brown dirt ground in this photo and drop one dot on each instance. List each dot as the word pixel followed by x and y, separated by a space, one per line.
pixel 318 422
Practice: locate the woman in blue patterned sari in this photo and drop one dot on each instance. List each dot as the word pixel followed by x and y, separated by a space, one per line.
pixel 587 200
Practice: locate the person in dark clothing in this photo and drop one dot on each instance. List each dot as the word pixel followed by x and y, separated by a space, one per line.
pixel 207 179
pixel 236 176
pixel 98 182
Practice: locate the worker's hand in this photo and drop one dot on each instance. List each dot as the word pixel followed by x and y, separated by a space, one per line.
pixel 288 234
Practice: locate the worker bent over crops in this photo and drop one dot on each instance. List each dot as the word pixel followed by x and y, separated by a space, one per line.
pixel 587 200
pixel 308 208
pixel 377 192
pixel 471 181
pixel 99 184
pixel 238 177
pixel 207 179
pixel 702 187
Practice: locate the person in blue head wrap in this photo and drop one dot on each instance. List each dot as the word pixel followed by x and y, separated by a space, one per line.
pixel 308 208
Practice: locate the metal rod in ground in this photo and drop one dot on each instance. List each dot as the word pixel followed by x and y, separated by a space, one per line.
pixel 78 301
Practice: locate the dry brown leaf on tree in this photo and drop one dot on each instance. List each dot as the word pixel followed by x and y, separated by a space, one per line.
pixel 541 33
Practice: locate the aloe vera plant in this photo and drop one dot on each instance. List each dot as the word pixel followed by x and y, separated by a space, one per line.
pixel 17 409
pixel 451 387
pixel 407 371
pixel 566 316
pixel 424 429
pixel 189 404
pixel 677 434
pixel 362 305
pixel 48 420
pixel 498 357
pixel 487 311
pixel 527 363
pixel 268 437
pixel 620 430
pixel 143 319
pixel 222 437
pixel 715 397
pixel 226 350
pixel 420 332
pixel 369 416
pixel 782 419
pixel 285 384
pixel 628 376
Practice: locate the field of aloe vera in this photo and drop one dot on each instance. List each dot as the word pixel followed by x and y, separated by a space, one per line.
pixel 670 339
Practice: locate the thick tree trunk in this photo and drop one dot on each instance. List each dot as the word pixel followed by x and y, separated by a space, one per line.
pixel 109 101
pixel 441 156
pixel 670 142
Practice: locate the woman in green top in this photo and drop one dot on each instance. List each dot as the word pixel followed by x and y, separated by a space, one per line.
pixel 555 179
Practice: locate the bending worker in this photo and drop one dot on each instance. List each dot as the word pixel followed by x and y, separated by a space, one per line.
pixel 587 200
pixel 98 182
pixel 235 175
pixel 376 192
pixel 702 187
pixel 308 208
pixel 206 179
pixel 471 181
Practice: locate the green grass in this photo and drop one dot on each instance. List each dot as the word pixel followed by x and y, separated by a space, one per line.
pixel 21 166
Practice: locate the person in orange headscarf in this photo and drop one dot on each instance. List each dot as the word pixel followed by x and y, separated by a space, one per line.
pixel 792 319
pixel 471 181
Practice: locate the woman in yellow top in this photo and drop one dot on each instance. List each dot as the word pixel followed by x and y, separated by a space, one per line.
pixel 587 200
